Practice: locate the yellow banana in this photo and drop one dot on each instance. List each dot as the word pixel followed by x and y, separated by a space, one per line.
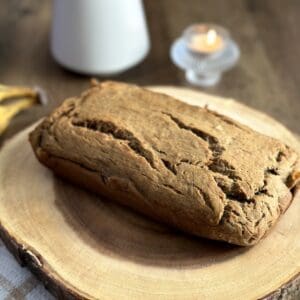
pixel 23 98
pixel 7 92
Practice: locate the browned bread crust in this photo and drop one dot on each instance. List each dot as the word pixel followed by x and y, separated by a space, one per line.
pixel 186 166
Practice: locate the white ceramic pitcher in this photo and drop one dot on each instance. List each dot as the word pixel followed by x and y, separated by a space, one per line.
pixel 100 37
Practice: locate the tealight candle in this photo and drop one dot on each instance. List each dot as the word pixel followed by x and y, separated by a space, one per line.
pixel 204 51
pixel 206 39
pixel 206 42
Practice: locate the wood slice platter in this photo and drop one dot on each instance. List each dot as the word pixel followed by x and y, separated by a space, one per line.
pixel 84 247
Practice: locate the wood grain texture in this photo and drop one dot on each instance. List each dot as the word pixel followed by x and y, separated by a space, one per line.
pixel 266 78
pixel 85 247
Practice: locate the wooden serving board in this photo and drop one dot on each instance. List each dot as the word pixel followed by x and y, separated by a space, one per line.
pixel 84 247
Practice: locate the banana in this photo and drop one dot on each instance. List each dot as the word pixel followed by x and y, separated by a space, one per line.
pixel 23 98
pixel 7 92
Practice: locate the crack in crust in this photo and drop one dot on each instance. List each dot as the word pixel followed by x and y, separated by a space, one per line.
pixel 212 141
pixel 216 164
pixel 169 166
pixel 118 133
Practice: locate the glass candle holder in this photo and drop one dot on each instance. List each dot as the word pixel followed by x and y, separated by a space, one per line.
pixel 204 52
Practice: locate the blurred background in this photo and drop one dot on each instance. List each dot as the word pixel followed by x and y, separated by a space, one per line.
pixel 266 76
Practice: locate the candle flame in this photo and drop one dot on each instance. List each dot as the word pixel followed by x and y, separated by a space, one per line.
pixel 211 37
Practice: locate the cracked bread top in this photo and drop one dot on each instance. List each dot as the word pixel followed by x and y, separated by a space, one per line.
pixel 187 166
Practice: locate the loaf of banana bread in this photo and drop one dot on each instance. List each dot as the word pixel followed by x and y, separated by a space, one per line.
pixel 185 166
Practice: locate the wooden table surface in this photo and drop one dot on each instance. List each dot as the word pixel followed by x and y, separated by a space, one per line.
pixel 267 76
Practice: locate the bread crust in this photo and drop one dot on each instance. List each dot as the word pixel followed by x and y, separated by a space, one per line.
pixel 185 166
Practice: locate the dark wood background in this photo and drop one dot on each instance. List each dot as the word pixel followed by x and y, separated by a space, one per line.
pixel 267 76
